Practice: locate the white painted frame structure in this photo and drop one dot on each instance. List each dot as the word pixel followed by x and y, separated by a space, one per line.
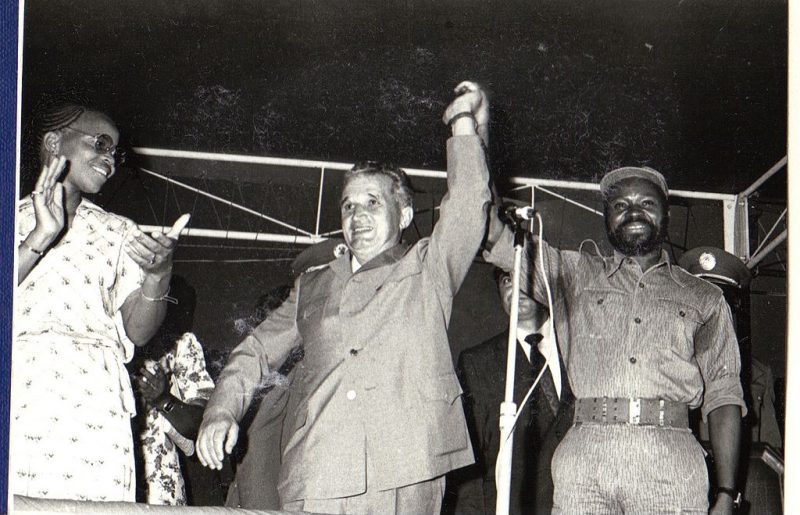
pixel 734 207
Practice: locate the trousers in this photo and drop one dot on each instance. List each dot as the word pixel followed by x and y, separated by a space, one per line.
pixel 629 469
pixel 417 499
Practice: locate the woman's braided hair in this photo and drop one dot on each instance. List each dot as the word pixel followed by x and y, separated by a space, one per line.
pixel 53 118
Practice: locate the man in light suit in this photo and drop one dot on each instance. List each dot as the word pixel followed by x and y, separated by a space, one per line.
pixel 374 418
pixel 543 420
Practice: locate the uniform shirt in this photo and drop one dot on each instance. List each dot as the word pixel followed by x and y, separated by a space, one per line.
pixel 660 333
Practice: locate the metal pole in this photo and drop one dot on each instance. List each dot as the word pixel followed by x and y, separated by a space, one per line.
pixel 769 173
pixel 281 161
pixel 238 235
pixel 508 407
pixel 756 259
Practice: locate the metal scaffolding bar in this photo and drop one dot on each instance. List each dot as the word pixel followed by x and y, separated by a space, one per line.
pixel 756 259
pixel 281 161
pixel 239 235
pixel 226 201
pixel 543 184
pixel 769 173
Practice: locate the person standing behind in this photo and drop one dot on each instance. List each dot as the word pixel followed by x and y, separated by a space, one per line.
pixel 175 389
pixel 374 418
pixel 543 420
pixel 644 341
pixel 91 287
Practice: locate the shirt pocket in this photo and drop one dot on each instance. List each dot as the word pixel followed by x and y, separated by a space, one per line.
pixel 678 321
pixel 599 314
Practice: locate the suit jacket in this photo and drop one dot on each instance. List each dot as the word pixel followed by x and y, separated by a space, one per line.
pixel 377 381
pixel 482 371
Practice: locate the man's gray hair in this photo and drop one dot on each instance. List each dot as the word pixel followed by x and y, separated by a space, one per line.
pixel 401 185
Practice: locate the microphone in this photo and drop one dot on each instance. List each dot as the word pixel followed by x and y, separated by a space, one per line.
pixel 517 213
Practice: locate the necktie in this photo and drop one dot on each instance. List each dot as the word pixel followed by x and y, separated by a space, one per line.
pixel 546 386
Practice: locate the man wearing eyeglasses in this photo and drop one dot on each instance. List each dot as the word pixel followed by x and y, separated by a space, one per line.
pixel 374 418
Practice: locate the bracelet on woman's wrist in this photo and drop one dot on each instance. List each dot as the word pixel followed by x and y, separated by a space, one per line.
pixel 164 297
pixel 25 244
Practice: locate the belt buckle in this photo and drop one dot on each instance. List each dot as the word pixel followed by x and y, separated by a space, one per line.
pixel 634 411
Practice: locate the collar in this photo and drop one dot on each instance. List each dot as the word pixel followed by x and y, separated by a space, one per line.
pixel 544 330
pixel 614 263
pixel 87 204
pixel 342 266
pixel 387 257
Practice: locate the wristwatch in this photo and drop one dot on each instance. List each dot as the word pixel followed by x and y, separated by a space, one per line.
pixel 166 404
pixel 734 494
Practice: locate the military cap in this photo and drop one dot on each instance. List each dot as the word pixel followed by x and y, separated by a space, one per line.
pixel 626 172
pixel 715 265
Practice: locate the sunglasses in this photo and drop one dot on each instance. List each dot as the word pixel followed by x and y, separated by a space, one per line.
pixel 104 144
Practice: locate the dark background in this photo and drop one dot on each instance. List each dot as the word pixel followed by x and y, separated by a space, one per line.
pixel 695 89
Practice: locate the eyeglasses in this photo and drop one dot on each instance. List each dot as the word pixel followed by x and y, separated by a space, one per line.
pixel 104 144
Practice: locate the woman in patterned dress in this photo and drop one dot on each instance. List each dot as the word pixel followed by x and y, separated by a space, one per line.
pixel 91 287
pixel 175 389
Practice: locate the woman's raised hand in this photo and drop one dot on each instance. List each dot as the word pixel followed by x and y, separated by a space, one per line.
pixel 48 204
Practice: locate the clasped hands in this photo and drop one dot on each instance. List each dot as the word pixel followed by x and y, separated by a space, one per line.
pixel 470 99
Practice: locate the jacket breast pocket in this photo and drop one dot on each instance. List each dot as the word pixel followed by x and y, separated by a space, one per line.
pixel 309 316
pixel 681 321
pixel 447 431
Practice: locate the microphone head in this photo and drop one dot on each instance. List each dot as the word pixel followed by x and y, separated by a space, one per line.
pixel 513 212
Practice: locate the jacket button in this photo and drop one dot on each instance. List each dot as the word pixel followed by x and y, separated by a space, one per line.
pixel 637 320
pixel 632 359
pixel 641 285
pixel 599 301
pixel 351 395
pixel 354 352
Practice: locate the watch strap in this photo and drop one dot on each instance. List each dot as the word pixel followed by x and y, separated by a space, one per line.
pixel 165 404
pixel 734 494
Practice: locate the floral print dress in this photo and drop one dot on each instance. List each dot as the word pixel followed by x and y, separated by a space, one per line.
pixel 189 382
pixel 71 396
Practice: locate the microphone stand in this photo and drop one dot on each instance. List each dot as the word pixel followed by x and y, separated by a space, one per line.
pixel 508 408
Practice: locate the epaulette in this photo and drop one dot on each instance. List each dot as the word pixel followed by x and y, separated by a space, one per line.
pixel 313 268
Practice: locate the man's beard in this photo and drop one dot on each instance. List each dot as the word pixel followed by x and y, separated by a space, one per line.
pixel 638 244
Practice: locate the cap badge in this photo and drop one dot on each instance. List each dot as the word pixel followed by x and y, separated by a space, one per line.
pixel 707 261
pixel 339 250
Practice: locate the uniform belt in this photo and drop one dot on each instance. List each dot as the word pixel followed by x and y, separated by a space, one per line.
pixel 640 412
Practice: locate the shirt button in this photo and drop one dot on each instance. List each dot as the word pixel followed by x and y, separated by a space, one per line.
pixel 682 313
pixel 632 359
pixel 354 352
pixel 351 395
pixel 637 320
pixel 641 285
pixel 599 301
